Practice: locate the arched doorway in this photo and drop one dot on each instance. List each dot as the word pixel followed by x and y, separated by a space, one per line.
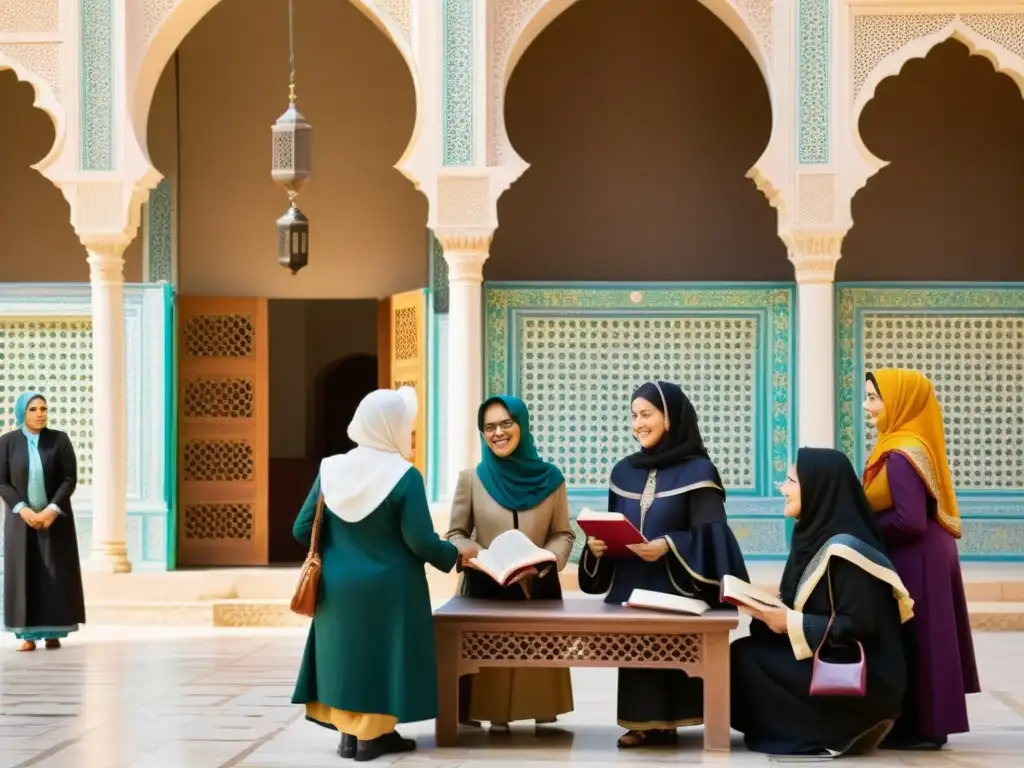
pixel 935 249
pixel 635 246
pixel 230 71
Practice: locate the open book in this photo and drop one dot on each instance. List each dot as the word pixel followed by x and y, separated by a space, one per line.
pixel 659 601
pixel 510 557
pixel 613 528
pixel 740 593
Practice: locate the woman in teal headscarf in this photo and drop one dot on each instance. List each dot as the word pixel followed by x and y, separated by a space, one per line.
pixel 43 597
pixel 512 487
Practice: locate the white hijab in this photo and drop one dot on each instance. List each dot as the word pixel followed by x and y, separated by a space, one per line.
pixel 354 484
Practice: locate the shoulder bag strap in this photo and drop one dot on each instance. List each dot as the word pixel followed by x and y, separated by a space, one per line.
pixel 314 539
pixel 832 606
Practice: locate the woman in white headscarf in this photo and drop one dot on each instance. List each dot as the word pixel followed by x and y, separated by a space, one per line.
pixel 369 662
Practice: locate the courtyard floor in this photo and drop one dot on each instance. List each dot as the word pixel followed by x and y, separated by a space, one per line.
pixel 205 698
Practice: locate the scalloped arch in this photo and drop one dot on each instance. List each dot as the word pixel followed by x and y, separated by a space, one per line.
pixel 46 101
pixel 1003 61
pixel 186 14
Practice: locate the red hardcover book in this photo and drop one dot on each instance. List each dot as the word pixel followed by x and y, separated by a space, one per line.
pixel 613 528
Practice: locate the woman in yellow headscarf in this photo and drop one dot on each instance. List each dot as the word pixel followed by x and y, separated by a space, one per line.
pixel 909 486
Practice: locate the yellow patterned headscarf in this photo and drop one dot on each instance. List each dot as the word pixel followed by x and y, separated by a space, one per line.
pixel 912 426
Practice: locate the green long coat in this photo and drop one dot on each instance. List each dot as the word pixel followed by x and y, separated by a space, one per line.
pixel 371 645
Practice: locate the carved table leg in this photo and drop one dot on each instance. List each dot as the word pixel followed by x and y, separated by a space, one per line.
pixel 716 692
pixel 449 649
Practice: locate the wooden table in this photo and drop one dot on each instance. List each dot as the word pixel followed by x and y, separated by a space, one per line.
pixel 472 634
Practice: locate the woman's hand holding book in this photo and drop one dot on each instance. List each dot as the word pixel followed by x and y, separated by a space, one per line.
pixel 596 546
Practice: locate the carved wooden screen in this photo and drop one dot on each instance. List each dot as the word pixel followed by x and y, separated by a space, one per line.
pixel 402 347
pixel 223 431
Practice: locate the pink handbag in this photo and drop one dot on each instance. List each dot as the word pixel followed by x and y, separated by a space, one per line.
pixel 830 678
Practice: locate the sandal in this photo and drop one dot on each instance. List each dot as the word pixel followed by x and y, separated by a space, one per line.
pixel 656 737
pixel 28 645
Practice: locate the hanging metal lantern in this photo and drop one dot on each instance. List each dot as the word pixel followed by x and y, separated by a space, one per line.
pixel 293 239
pixel 291 166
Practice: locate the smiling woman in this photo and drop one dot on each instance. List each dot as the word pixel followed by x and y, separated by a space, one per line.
pixel 672 493
pixel 513 488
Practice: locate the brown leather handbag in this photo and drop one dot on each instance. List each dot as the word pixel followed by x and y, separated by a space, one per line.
pixel 304 600
pixel 830 678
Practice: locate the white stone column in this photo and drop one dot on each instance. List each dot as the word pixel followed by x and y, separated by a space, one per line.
pixel 110 488
pixel 465 257
pixel 815 260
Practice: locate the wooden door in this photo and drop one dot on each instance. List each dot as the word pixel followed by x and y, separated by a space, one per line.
pixel 223 431
pixel 402 356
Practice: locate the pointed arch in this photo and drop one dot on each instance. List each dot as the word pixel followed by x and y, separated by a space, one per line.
pixel 163 36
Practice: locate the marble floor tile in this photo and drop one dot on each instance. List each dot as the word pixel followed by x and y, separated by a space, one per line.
pixel 205 698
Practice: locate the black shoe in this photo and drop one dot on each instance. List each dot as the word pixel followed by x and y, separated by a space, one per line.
pixel 347 747
pixel 388 744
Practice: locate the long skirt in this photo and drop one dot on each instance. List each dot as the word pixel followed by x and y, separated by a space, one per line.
pixel 507 694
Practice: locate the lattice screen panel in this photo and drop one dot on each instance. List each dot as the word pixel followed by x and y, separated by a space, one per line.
pixel 577 375
pixel 53 357
pixel 977 366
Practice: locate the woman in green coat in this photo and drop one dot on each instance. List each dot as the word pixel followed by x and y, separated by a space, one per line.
pixel 369 662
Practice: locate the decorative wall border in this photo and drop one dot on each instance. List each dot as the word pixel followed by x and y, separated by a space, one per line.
pixel 149 423
pixel 993 521
pixel 813 104
pixel 160 261
pixel 754 515
pixel 457 85
pixel 96 78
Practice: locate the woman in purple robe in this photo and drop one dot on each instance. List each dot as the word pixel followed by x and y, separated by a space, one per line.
pixel 908 483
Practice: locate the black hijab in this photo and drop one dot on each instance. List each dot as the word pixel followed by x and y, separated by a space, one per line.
pixel 832 502
pixel 682 440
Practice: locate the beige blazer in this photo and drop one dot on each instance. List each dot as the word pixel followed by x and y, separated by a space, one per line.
pixel 475 515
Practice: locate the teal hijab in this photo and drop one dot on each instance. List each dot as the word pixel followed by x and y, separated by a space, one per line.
pixel 21 406
pixel 523 479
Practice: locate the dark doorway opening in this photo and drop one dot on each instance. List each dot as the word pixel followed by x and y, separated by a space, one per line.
pixel 323 361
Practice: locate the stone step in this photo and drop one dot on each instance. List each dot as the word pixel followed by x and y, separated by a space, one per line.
pixel 983 583
pixel 274 612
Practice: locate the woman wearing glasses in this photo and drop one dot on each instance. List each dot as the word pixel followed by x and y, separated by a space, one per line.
pixel 512 487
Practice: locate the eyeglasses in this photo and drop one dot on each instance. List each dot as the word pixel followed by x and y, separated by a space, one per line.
pixel 506 426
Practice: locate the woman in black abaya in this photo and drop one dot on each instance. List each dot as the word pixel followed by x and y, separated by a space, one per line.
pixel 836 548
pixel 43 597
pixel 671 491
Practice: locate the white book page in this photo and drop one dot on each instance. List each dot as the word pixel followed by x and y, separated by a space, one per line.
pixel 509 552
pixel 748 593
pixel 660 601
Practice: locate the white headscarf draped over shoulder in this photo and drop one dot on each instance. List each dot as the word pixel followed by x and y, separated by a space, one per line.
pixel 354 484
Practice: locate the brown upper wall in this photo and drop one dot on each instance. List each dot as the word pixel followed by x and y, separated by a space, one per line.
pixel 640 120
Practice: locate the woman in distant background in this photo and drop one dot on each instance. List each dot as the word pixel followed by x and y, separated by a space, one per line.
pixel 513 488
pixel 43 596
pixel 909 485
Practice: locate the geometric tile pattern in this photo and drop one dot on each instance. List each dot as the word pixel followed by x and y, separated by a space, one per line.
pixel 577 374
pixel 976 363
pixel 53 357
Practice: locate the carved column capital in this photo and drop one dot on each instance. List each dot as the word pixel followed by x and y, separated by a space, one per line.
pixel 465 254
pixel 105 211
pixel 814 254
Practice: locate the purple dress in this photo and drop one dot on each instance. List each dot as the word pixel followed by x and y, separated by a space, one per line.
pixel 941 668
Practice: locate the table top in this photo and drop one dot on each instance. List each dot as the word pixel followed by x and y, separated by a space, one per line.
pixel 577 610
